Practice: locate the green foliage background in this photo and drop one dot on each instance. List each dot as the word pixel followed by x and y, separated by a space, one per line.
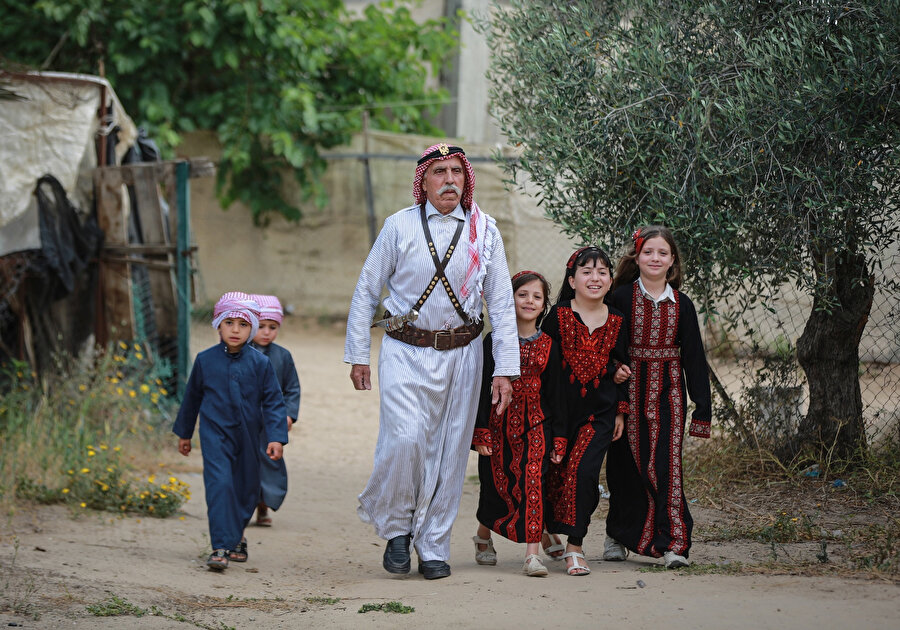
pixel 277 80
pixel 765 134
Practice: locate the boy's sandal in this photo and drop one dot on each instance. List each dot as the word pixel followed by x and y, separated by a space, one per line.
pixel 218 560
pixel 577 569
pixel 487 556
pixel 556 548
pixel 264 521
pixel 239 553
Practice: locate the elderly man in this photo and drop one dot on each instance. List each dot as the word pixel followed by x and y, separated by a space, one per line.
pixel 438 259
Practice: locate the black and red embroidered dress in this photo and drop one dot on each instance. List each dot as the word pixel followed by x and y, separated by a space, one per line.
pixel 512 496
pixel 592 402
pixel 648 512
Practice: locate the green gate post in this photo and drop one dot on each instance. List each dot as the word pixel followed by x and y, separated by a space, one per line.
pixel 183 273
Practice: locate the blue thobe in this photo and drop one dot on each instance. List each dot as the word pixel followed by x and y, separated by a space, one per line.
pixel 273 478
pixel 236 397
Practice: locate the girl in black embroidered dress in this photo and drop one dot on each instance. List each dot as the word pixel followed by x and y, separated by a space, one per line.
pixel 591 338
pixel 515 447
pixel 648 513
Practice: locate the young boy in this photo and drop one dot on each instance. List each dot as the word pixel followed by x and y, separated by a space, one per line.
pixel 273 474
pixel 234 390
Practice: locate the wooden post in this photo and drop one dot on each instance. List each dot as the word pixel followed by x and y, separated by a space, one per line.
pixel 115 276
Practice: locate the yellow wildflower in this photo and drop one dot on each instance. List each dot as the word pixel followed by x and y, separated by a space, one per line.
pixel 162 390
pixel 113 380
pixel 152 478
pixel 82 387
pixel 83 504
pixel 137 346
pixel 145 389
pixel 138 355
pixel 65 491
pixel 103 447
pixel 132 393
pixel 117 449
pixel 85 471
pixel 123 345
pixel 91 453
pixel 120 391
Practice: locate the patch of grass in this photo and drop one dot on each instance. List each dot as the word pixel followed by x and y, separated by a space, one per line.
pixel 74 435
pixel 712 568
pixel 327 601
pixel 392 607
pixel 115 606
pixel 17 595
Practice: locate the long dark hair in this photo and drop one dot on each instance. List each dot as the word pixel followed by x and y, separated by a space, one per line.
pixel 524 277
pixel 627 270
pixel 580 258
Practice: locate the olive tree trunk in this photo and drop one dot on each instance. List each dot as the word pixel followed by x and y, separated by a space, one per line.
pixel 828 352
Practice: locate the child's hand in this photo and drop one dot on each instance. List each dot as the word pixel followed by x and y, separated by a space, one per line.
pixel 620 427
pixel 275 450
pixel 290 423
pixel 484 450
pixel 622 374
pixel 555 457
pixel 184 446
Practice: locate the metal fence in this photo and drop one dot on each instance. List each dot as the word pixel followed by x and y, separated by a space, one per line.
pixel 754 366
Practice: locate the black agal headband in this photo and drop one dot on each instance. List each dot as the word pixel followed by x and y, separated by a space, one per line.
pixel 442 151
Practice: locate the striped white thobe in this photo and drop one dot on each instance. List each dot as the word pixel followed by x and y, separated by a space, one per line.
pixel 428 397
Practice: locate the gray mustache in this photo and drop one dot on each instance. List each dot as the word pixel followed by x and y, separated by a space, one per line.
pixel 449 187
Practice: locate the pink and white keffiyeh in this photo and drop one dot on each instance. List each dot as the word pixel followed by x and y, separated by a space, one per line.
pixel 237 305
pixel 470 293
pixel 269 307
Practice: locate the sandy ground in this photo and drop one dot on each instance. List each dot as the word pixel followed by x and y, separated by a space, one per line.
pixel 53 566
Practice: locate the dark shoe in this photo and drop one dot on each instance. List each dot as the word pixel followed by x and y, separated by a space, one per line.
pixel 434 569
pixel 396 555
pixel 239 553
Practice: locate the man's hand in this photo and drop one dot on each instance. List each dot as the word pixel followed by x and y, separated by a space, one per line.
pixel 275 450
pixel 184 446
pixel 290 422
pixel 484 450
pixel 361 377
pixel 501 393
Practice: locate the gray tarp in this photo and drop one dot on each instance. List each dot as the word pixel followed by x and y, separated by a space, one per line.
pixel 52 130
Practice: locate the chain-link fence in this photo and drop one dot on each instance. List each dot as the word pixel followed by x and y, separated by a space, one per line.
pixel 757 381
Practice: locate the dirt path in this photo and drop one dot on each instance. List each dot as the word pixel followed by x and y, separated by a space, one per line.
pixel 318 548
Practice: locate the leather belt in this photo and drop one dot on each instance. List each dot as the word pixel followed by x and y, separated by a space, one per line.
pixel 438 339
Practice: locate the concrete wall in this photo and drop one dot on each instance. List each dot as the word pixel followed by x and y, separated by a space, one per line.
pixel 313 265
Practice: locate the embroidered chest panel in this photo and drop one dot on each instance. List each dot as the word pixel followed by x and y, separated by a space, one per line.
pixel 533 356
pixel 586 354
pixel 653 325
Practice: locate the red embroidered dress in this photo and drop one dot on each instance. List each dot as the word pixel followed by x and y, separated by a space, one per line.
pixel 511 500
pixel 592 402
pixel 648 512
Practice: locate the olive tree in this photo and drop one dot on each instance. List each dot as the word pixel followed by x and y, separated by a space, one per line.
pixel 765 134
